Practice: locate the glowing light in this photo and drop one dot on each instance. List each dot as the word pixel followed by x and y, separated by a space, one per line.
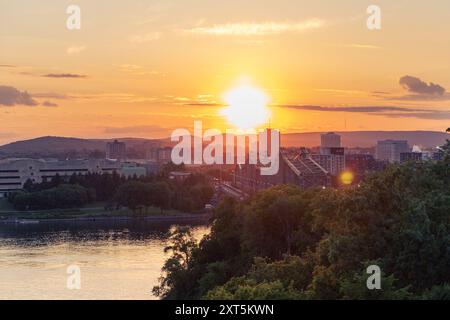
pixel 347 177
pixel 247 107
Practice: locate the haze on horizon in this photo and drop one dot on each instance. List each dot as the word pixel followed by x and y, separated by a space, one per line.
pixel 145 68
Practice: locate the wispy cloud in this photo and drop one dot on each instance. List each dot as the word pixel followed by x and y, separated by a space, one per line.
pixel 428 115
pixel 51 95
pixel 49 104
pixel 361 46
pixel 258 29
pixel 64 75
pixel 140 129
pixel 387 111
pixel 75 49
pixel 143 38
pixel 137 70
pixel 356 109
pixel 342 92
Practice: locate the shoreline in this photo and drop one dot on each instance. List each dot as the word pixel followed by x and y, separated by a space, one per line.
pixel 157 218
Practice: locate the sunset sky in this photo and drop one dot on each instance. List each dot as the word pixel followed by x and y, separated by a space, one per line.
pixel 143 68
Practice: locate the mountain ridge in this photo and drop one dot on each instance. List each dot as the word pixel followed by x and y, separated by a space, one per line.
pixel 55 144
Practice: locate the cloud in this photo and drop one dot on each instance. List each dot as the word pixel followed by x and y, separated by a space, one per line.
pixel 204 104
pixel 49 104
pixel 134 129
pixel 417 86
pixel 258 29
pixel 418 91
pixel 362 46
pixel 143 38
pixel 64 75
pixel 428 115
pixel 75 49
pixel 354 109
pixel 10 96
pixel 51 95
pixel 137 70
pixel 7 66
pixel 386 111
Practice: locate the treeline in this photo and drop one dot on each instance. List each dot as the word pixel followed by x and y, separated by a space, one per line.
pixel 61 197
pixel 136 193
pixel 286 243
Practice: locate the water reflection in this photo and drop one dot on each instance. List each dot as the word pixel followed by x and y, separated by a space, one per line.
pixel 119 259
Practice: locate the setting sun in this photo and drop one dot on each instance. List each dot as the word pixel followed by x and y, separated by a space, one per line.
pixel 246 107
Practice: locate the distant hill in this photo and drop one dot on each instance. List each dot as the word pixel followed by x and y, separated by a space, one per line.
pixel 366 139
pixel 63 147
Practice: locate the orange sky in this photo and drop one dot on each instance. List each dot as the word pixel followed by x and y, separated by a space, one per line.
pixel 144 68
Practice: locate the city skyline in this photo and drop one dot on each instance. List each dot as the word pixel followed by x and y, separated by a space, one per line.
pixel 145 69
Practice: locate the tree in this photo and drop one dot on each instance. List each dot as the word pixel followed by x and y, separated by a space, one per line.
pixel 182 245
pixel 287 242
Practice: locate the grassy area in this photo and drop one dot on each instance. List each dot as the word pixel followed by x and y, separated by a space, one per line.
pixel 93 210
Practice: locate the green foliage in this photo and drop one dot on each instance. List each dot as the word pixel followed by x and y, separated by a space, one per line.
pixel 136 193
pixel 440 292
pixel 248 289
pixel 63 196
pixel 354 287
pixel 315 243
pixel 176 268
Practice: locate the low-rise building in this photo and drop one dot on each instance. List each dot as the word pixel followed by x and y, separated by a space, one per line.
pixel 14 173
pixel 411 156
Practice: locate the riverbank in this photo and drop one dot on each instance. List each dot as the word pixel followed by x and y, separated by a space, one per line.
pixel 202 217
pixel 96 213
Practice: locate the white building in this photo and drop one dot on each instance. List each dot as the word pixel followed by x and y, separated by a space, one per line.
pixel 390 150
pixel 14 173
pixel 330 140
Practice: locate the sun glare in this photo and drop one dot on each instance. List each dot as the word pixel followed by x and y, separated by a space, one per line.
pixel 246 107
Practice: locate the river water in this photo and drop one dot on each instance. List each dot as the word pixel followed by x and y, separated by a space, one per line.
pixel 116 259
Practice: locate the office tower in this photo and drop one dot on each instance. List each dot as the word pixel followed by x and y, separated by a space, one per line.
pixel 116 150
pixel 330 140
pixel 390 150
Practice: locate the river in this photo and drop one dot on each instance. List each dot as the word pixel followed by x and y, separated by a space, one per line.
pixel 117 259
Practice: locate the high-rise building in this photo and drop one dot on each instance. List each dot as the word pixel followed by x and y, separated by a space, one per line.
pixel 330 140
pixel 116 150
pixel 331 157
pixel 390 150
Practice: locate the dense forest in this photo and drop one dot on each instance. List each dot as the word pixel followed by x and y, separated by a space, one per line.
pixel 288 243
